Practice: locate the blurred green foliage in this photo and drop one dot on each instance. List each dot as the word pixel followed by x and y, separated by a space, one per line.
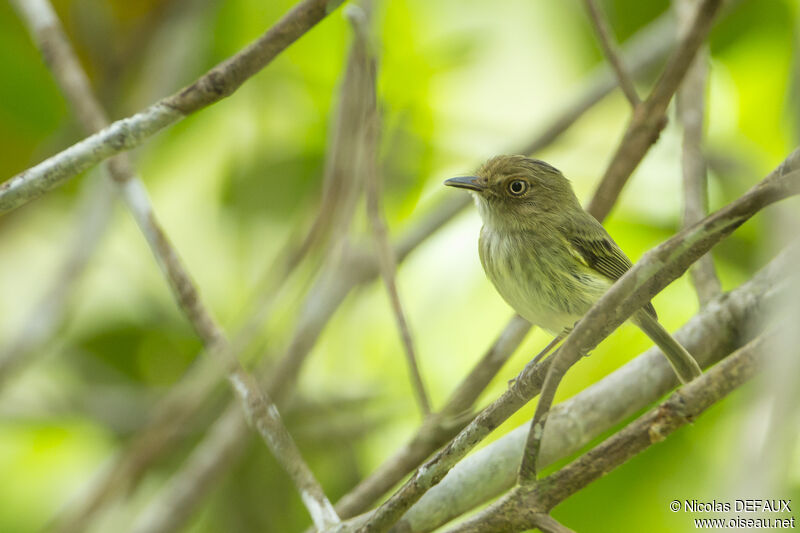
pixel 459 81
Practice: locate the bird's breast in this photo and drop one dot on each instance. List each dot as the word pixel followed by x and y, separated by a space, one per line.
pixel 537 275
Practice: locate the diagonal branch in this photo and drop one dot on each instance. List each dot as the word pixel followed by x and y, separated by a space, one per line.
pixel 387 262
pixel 642 51
pixel 691 111
pixel 127 133
pixel 648 118
pixel 611 51
pixel 518 509
pixel 259 409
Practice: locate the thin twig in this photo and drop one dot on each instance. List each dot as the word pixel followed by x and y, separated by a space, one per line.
pixel 127 133
pixel 654 271
pixel 609 45
pixel 259 409
pixel 691 111
pixel 358 18
pixel 648 118
pixel 518 510
pixel 658 267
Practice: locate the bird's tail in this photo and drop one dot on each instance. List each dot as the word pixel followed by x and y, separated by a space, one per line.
pixel 682 361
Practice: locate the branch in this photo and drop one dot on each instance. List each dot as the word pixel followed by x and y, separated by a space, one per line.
pixel 127 133
pixel 519 509
pixel 387 262
pixel 667 261
pixel 710 335
pixel 691 111
pixel 258 408
pixel 657 268
pixel 648 118
pixel 641 51
pixel 611 51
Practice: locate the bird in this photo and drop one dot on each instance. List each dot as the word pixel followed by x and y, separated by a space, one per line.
pixel 548 258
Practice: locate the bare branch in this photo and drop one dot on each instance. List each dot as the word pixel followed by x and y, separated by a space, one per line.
pixel 611 51
pixel 358 17
pixel 127 133
pixel 641 51
pixel 648 118
pixel 657 268
pixel 258 408
pixel 520 508
pixel 691 111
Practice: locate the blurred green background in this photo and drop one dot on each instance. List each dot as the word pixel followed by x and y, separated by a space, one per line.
pixel 459 81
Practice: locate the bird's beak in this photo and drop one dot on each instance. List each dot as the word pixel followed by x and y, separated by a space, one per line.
pixel 466 182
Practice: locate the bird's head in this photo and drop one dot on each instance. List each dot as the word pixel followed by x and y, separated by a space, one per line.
pixel 517 192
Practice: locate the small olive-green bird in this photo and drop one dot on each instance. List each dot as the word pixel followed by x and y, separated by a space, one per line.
pixel 546 256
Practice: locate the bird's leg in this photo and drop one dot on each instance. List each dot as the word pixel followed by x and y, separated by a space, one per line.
pixel 553 343
pixel 547 349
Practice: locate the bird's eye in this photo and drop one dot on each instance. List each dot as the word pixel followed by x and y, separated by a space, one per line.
pixel 517 187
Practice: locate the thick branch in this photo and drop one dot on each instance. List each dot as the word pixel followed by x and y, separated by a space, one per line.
pixel 127 133
pixel 521 508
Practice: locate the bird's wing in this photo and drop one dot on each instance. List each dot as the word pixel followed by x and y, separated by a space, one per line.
pixel 599 252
